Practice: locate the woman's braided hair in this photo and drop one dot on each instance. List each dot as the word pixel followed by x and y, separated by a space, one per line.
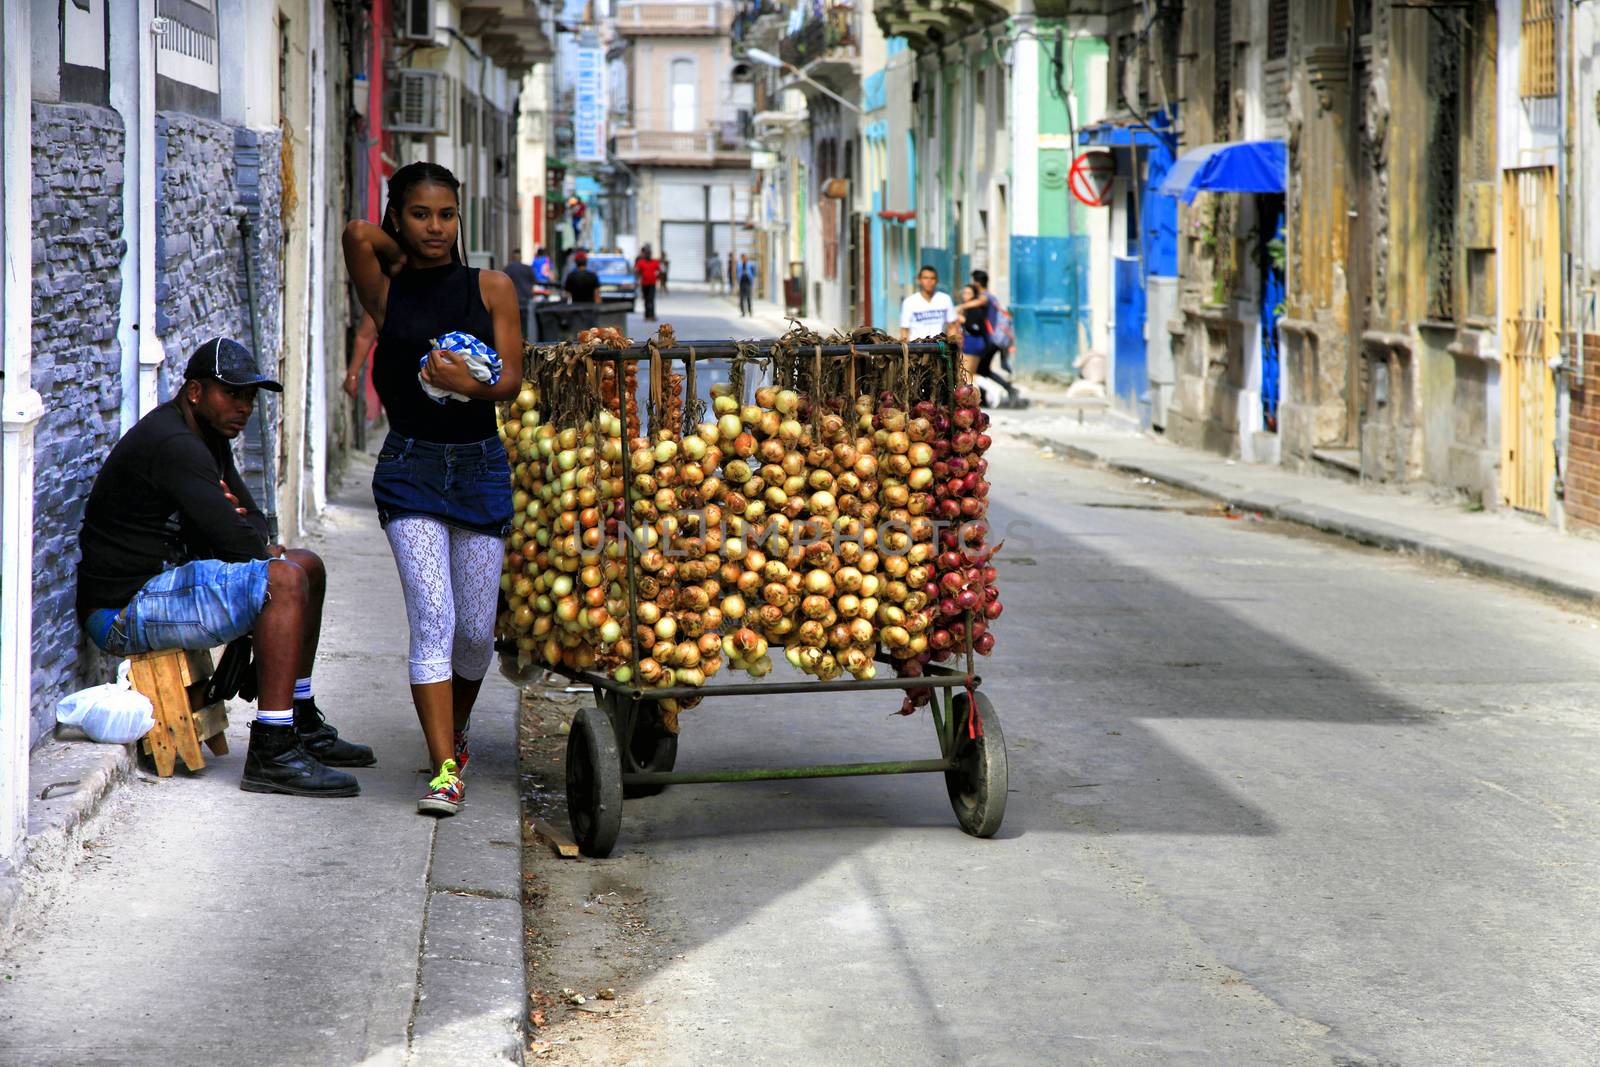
pixel 408 177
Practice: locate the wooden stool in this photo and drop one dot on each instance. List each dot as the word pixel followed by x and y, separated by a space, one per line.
pixel 173 679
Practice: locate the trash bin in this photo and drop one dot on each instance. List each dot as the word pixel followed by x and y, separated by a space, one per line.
pixel 563 320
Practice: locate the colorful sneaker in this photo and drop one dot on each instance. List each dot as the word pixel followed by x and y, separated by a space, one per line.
pixel 446 792
pixel 463 754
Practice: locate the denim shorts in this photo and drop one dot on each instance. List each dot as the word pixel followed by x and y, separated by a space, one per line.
pixel 466 486
pixel 201 604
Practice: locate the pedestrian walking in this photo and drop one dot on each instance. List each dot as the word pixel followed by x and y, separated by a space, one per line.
pixel 928 312
pixel 582 285
pixel 443 482
pixel 714 272
pixel 543 271
pixel 647 270
pixel 978 350
pixel 665 266
pixel 1000 331
pixel 175 555
pixel 747 285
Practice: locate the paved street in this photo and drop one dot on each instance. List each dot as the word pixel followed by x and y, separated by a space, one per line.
pixel 1274 800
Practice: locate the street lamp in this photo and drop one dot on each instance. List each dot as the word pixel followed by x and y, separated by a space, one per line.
pixel 767 59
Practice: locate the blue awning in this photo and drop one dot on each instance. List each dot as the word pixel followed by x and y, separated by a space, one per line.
pixel 1234 167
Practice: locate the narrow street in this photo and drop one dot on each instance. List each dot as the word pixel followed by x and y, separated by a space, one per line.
pixel 1274 799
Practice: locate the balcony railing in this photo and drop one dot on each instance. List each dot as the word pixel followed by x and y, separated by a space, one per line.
pixel 685 147
pixel 670 20
pixel 746 13
pixel 832 36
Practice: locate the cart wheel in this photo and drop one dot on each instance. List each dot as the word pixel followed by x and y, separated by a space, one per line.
pixel 977 782
pixel 652 748
pixel 594 783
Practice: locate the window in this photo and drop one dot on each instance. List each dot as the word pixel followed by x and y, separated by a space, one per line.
pixel 1538 52
pixel 683 96
pixel 1277 29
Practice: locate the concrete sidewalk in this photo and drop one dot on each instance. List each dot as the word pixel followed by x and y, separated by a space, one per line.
pixel 1501 545
pixel 205 925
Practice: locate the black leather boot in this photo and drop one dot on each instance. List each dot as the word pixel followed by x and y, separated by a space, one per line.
pixel 277 762
pixel 324 742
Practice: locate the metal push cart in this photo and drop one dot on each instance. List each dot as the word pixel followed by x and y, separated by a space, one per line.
pixel 621 748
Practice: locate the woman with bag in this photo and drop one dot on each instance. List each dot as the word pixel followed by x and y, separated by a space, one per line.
pixel 443 482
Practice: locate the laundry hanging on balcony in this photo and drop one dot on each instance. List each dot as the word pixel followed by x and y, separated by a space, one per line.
pixel 1231 167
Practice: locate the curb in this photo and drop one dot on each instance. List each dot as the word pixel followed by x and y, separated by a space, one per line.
pixel 1479 562
pixel 68 785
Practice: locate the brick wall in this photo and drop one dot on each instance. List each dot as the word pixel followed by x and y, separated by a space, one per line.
pixel 1583 444
pixel 77 252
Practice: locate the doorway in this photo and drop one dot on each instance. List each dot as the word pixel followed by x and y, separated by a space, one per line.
pixel 1530 326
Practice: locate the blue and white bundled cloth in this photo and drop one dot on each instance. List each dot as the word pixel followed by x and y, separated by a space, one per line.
pixel 481 360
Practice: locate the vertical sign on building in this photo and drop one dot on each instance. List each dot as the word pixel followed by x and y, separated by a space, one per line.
pixel 589 105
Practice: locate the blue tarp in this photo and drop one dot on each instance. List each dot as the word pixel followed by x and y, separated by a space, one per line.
pixel 1233 167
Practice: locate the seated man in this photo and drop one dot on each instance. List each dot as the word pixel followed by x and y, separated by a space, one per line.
pixel 175 555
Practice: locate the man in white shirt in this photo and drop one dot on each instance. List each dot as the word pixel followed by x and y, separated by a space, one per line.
pixel 927 312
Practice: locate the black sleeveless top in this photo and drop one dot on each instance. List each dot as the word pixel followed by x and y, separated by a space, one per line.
pixel 975 321
pixel 423 304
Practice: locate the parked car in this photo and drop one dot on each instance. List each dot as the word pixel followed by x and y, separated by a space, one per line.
pixel 616 277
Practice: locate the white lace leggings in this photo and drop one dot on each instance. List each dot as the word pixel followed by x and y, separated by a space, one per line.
pixel 451 581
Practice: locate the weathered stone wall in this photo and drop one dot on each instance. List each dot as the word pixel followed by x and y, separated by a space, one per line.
pixel 77 252
pixel 197 243
pixel 210 175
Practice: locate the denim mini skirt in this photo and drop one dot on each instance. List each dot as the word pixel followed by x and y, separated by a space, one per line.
pixel 466 486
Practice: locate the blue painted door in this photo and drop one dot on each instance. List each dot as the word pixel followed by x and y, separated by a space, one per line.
pixel 1130 377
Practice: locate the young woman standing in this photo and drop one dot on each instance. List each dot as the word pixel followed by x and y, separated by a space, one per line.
pixel 443 483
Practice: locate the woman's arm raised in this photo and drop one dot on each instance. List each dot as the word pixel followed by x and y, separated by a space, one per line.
pixel 370 255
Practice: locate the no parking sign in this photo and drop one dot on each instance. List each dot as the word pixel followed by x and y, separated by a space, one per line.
pixel 1091 177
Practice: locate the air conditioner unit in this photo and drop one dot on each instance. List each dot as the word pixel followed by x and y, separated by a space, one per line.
pixel 414 20
pixel 417 102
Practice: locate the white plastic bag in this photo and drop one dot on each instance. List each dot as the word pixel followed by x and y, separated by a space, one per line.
pixel 112 714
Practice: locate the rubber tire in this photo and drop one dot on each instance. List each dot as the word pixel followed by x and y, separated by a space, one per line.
pixel 977 785
pixel 594 783
pixel 651 748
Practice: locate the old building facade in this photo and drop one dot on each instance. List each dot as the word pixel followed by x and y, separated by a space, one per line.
pixel 174 172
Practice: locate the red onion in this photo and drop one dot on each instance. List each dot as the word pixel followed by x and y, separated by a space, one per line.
pixel 971 507
pixel 984 441
pixel 992 609
pixel 983 420
pixel 956 466
pixel 979 628
pixel 967 599
pixel 949 561
pixel 939 640
pixel 963 442
pixel 948 608
pixel 967 396
pixel 984 645
pixel 989 576
pixel 964 418
pixel 949 509
pixel 952 580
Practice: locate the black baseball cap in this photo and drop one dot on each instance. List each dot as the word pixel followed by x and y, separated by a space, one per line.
pixel 228 362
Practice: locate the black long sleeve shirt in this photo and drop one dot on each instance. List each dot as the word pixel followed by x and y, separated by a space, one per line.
pixel 158 502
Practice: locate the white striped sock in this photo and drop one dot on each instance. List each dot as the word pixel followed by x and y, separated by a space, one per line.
pixel 302 688
pixel 275 718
